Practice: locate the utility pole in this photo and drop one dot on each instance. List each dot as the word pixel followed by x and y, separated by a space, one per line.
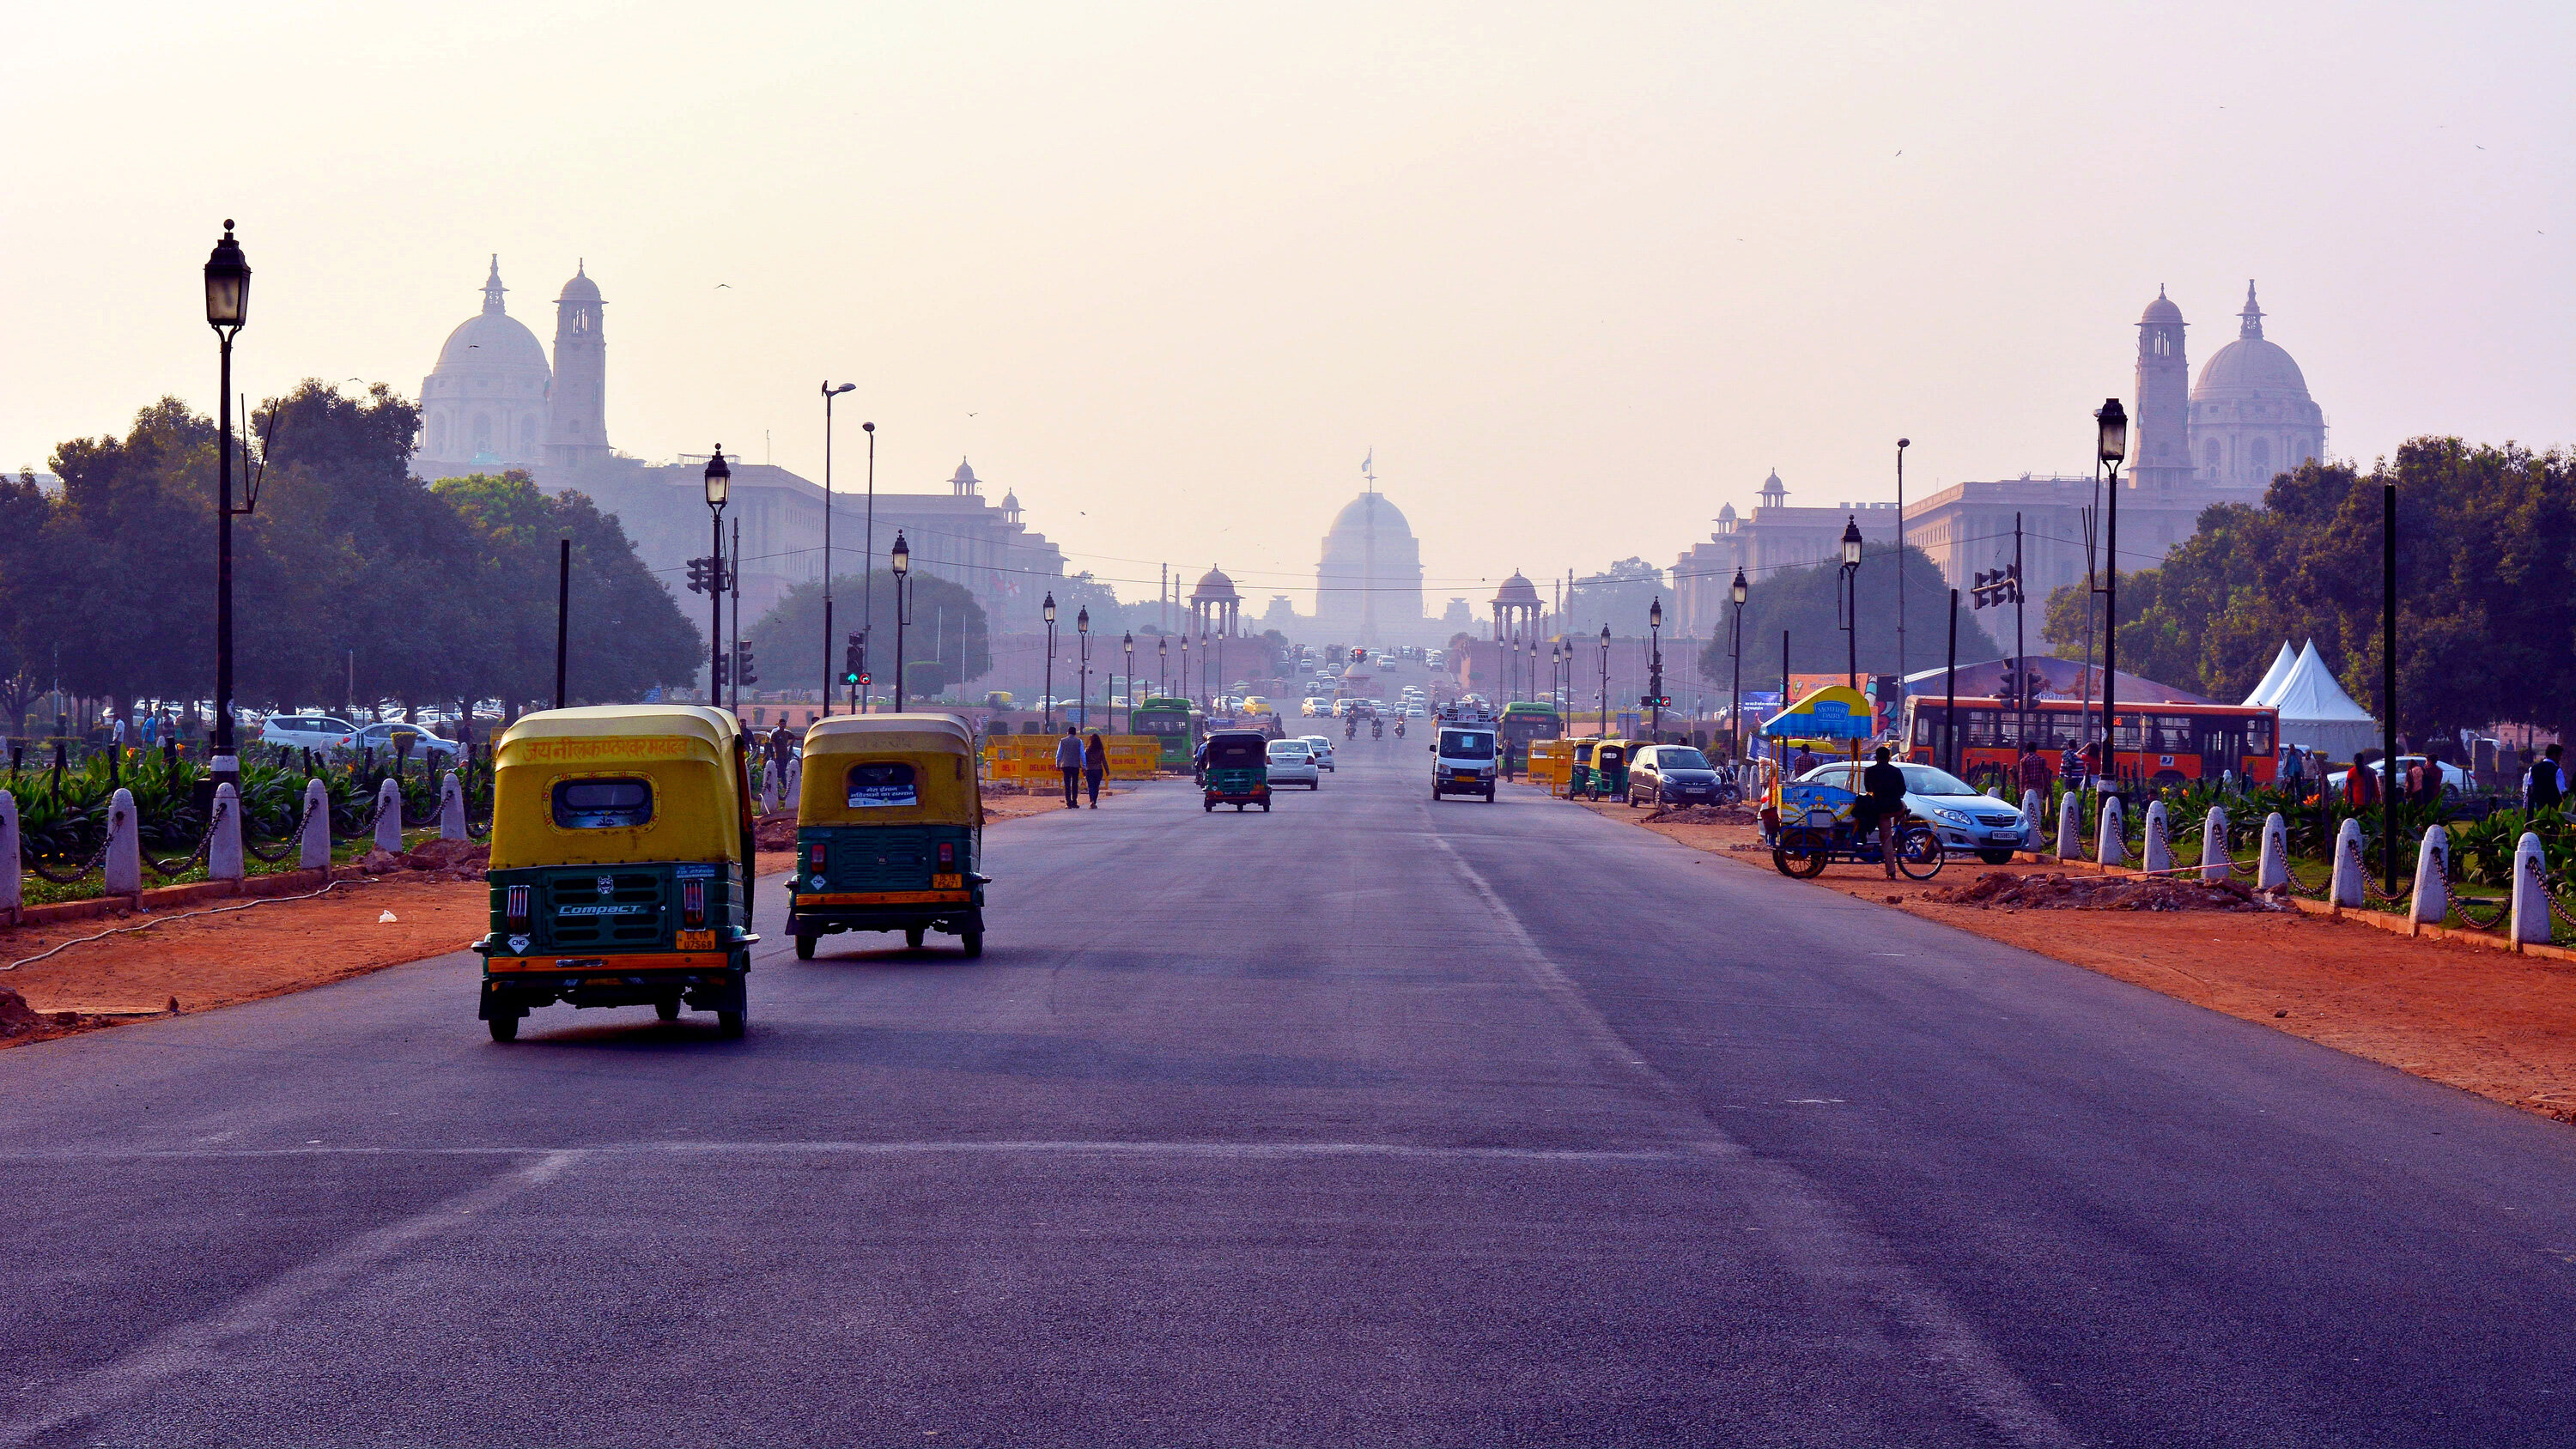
pixel 563 615
pixel 2021 669
pixel 1901 445
pixel 2391 781
pixel 733 586
pixel 1950 688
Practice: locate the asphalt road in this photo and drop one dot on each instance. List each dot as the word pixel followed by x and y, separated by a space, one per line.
pixel 1364 1121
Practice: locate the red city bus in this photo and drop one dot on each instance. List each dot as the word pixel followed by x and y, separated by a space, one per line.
pixel 2161 743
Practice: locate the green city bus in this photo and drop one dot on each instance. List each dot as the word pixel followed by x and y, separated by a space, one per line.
pixel 1521 724
pixel 1175 722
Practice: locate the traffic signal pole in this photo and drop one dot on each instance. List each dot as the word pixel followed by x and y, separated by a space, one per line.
pixel 2021 662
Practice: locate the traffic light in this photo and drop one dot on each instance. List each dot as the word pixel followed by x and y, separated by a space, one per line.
pixel 742 666
pixel 863 679
pixel 1997 587
pixel 720 676
pixel 854 654
pixel 1359 654
pixel 1654 701
pixel 697 576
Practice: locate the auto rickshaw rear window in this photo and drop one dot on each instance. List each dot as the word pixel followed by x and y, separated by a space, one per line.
pixel 602 804
pixel 880 783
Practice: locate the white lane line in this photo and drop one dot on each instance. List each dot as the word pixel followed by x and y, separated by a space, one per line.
pixel 270 1306
pixel 1822 1240
pixel 1071 1148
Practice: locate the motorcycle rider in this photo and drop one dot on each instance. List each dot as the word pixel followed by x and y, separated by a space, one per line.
pixel 1399 729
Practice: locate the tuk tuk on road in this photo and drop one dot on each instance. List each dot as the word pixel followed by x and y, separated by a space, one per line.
pixel 1237 772
pixel 621 864
pixel 889 831
pixel 1578 765
pixel 1607 777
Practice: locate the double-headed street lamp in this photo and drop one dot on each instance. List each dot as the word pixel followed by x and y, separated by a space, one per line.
pixel 1735 652
pixel 227 308
pixel 830 392
pixel 1046 701
pixel 719 488
pixel 900 557
pixel 1082 646
pixel 1655 670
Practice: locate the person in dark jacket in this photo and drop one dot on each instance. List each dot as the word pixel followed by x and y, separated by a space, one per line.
pixel 1884 803
pixel 2545 786
pixel 1068 762
pixel 1095 763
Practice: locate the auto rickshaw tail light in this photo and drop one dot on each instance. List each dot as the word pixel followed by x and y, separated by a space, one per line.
pixel 814 856
pixel 693 904
pixel 515 907
pixel 948 855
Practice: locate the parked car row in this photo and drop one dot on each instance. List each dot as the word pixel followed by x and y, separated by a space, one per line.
pixel 330 732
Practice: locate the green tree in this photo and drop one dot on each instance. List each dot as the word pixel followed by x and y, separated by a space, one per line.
pixel 1803 602
pixel 28 587
pixel 947 626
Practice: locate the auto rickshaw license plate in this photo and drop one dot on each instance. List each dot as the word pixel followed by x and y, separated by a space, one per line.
pixel 694 941
pixel 951 881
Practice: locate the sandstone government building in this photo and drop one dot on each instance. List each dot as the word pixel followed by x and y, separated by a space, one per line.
pixel 495 402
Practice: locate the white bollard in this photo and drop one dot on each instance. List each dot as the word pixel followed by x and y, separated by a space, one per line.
pixel 2159 849
pixel 2109 848
pixel 124 868
pixel 2070 828
pixel 2432 878
pixel 2213 847
pixel 389 817
pixel 451 808
pixel 316 853
pixel 795 780
pixel 2274 870
pixel 769 790
pixel 2530 894
pixel 224 848
pixel 2347 864
pixel 2032 807
pixel 13 891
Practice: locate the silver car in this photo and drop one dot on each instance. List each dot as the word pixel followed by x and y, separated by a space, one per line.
pixel 1292 762
pixel 309 732
pixel 1964 818
pixel 1323 751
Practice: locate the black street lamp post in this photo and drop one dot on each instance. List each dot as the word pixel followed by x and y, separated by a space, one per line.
pixel 1605 681
pixel 901 558
pixel 1735 652
pixel 1655 670
pixel 719 488
pixel 227 308
pixel 830 392
pixel 1848 596
pixel 2111 426
pixel 1082 647
pixel 1162 661
pixel 1046 701
pixel 1128 646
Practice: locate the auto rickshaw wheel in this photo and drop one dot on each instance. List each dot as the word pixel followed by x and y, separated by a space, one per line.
pixel 912 936
pixel 973 941
pixel 729 1025
pixel 1798 864
pixel 1265 807
pixel 805 945
pixel 505 1028
pixel 668 1008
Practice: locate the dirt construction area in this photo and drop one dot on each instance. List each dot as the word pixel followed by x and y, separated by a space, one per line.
pixel 2480 1019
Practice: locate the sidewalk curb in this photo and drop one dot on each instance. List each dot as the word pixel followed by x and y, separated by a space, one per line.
pixel 283 883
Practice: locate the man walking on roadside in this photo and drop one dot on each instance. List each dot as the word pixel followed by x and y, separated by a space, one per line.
pixel 2035 773
pixel 1068 762
pixel 2545 788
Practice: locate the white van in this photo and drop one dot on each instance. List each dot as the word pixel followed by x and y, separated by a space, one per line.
pixel 1462 762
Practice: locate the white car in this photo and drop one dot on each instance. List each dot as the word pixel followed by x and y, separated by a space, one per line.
pixel 1964 818
pixel 2454 778
pixel 1323 748
pixel 309 732
pixel 380 738
pixel 1292 762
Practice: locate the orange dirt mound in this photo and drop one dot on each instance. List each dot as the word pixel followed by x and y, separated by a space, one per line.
pixel 2102 893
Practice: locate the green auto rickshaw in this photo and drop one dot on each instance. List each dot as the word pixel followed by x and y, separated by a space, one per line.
pixel 1236 771
pixel 889 831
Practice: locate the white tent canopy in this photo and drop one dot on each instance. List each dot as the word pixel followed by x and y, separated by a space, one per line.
pixel 2272 677
pixel 2315 712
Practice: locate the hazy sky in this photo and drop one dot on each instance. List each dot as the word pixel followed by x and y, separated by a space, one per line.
pixel 1579 274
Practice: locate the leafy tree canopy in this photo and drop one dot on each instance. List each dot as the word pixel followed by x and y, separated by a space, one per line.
pixel 1802 602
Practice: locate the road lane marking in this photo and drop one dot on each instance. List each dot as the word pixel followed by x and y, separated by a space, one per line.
pixel 1073 1147
pixel 267 1307
pixel 1819 1237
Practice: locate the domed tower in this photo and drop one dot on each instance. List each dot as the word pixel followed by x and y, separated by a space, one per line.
pixel 576 413
pixel 2162 458
pixel 2251 416
pixel 1368 586
pixel 483 407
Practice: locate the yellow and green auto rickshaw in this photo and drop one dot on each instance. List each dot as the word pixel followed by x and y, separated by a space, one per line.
pixel 889 831
pixel 621 864
pixel 1607 775
pixel 1578 765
